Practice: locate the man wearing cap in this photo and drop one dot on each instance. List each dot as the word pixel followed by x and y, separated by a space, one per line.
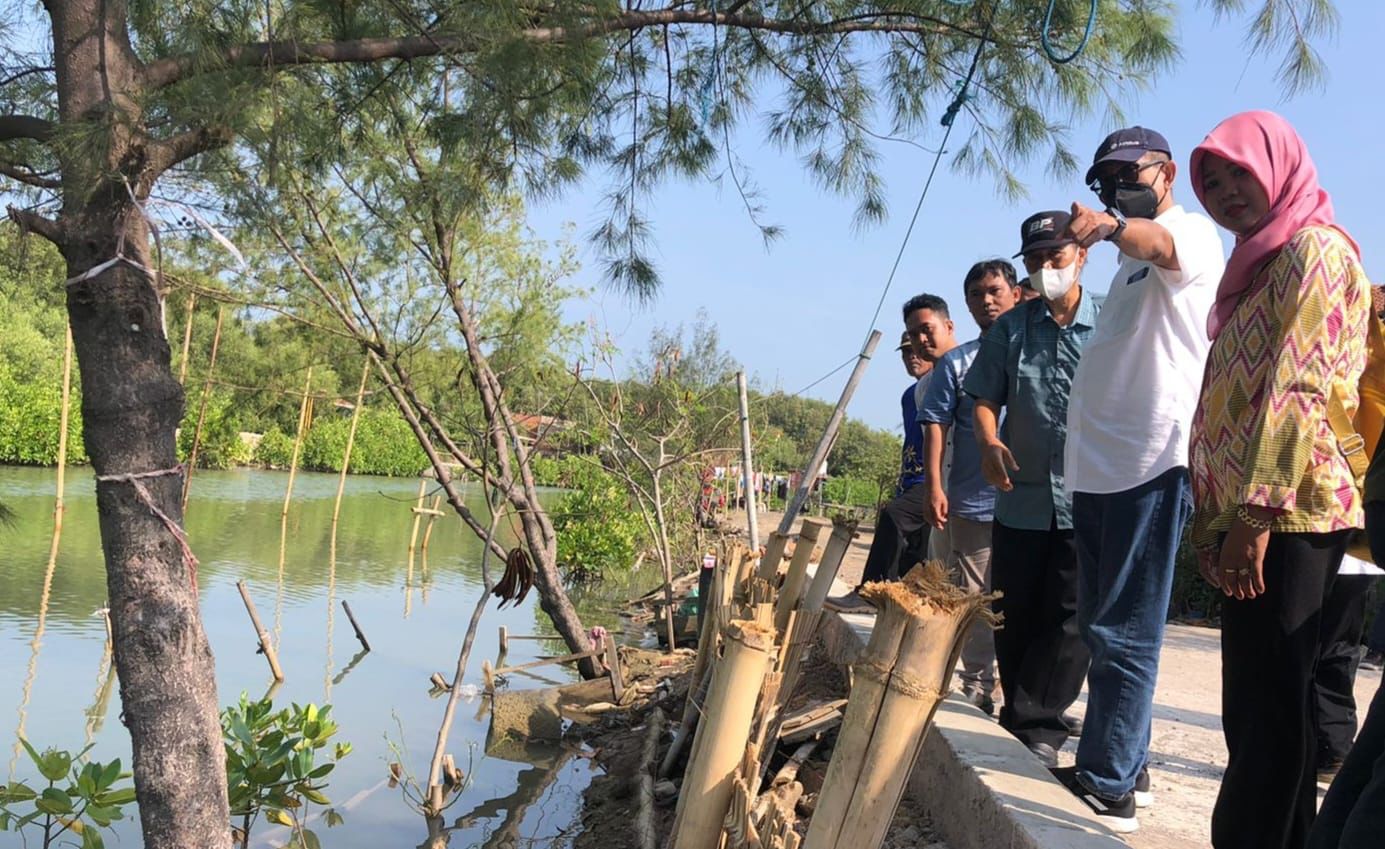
pixel 1127 452
pixel 1025 365
pixel 961 502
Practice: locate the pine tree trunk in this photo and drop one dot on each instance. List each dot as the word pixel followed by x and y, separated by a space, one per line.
pixel 131 407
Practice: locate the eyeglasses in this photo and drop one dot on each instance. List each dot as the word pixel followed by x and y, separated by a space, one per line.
pixel 1128 173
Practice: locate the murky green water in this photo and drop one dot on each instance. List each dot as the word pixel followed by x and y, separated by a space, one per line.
pixel 414 618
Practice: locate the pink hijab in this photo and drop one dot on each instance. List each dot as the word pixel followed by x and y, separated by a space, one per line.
pixel 1267 146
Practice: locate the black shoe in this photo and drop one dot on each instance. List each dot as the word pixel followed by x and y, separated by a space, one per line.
pixel 980 699
pixel 1373 660
pixel 1327 771
pixel 1116 814
pixel 1074 724
pixel 1144 796
pixel 1047 755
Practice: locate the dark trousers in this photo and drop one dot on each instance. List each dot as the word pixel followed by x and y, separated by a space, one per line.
pixel 1270 644
pixel 1334 681
pixel 1353 812
pixel 1039 654
pixel 901 536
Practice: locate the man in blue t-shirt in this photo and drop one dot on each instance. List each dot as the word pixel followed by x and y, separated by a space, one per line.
pixel 962 502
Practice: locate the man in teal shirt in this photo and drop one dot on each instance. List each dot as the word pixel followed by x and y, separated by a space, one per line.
pixel 1025 366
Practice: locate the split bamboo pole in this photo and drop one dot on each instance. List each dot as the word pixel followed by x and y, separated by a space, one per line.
pixel 900 679
pixel 350 443
pixel 774 555
pixel 829 435
pixel 305 412
pixel 266 647
pixel 187 340
pixel 433 515
pixel 720 747
pixel 792 591
pixel 202 406
pixel 843 532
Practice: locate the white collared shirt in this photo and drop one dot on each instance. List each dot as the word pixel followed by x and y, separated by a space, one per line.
pixel 1138 380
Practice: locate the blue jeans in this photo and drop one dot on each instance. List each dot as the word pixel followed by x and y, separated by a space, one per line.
pixel 1126 545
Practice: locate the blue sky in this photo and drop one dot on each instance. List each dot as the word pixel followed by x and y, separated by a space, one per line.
pixel 792 313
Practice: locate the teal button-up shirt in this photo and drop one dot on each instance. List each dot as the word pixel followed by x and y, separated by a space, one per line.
pixel 1025 364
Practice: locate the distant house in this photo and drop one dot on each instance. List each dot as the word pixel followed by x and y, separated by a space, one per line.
pixel 551 436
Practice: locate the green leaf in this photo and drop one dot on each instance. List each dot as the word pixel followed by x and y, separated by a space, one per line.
pixel 333 818
pixel 54 801
pixel 280 817
pixel 103 815
pixel 109 773
pixel 52 764
pixel 16 792
pixel 123 796
pixel 310 840
pixel 314 796
pixel 321 771
pixel 91 839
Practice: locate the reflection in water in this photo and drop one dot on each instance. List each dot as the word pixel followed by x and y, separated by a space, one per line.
pixel 235 528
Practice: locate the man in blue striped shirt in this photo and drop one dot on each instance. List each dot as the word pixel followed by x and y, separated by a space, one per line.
pixel 964 502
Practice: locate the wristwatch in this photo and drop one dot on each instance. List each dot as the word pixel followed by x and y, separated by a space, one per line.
pixel 1115 235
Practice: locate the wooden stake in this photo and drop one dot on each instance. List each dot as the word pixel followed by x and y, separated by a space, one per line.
pixel 438 681
pixel 792 591
pixel 350 443
pixel 266 647
pixel 58 504
pixel 304 418
pixel 613 664
pixel 202 407
pixel 721 744
pixel 433 515
pixel 355 626
pixel 647 836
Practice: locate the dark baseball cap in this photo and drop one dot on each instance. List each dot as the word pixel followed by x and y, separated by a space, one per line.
pixel 1044 230
pixel 904 343
pixel 1127 145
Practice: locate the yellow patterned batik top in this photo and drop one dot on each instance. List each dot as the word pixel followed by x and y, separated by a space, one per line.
pixel 1260 434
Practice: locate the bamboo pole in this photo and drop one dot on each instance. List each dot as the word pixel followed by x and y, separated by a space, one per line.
pixel 187 340
pixel 266 647
pixel 832 555
pixel 719 748
pixel 202 406
pixel 350 443
pixel 792 591
pixel 418 517
pixel 774 555
pixel 747 475
pixel 304 416
pixel 355 626
pixel 433 515
pixel 829 435
pixel 900 679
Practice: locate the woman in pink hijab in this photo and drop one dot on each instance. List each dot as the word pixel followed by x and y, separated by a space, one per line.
pixel 1275 497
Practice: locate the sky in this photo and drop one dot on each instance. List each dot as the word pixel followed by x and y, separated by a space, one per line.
pixel 795 312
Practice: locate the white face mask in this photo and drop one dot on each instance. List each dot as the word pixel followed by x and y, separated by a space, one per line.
pixel 1054 283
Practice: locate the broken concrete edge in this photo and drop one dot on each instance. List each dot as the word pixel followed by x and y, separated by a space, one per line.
pixel 981 788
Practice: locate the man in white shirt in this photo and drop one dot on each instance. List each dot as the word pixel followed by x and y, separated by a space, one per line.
pixel 1126 457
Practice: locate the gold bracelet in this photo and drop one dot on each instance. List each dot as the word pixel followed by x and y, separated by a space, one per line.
pixel 1244 516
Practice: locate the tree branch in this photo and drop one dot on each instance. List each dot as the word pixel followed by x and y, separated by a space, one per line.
pixel 28 177
pixel 169 152
pixel 24 127
pixel 32 222
pixel 286 54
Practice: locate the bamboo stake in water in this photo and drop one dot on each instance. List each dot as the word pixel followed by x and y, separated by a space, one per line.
pixel 187 340
pixel 58 510
pixel 350 442
pixel 355 626
pixel 202 407
pixel 304 414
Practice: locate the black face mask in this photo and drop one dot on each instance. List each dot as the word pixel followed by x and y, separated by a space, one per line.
pixel 1134 200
